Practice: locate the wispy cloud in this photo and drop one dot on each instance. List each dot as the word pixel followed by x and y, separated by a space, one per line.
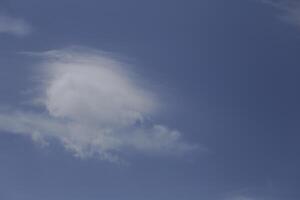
pixel 251 193
pixel 289 10
pixel 94 105
pixel 14 26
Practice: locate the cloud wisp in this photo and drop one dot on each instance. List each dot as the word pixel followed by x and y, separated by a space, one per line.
pixel 290 10
pixel 94 105
pixel 14 26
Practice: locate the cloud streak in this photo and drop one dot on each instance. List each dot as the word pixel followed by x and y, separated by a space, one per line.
pixel 14 26
pixel 94 105
pixel 290 10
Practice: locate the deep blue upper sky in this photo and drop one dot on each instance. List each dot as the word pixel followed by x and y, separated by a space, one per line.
pixel 231 71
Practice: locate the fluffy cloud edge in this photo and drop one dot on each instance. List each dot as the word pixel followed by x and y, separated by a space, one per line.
pixel 14 26
pixel 76 86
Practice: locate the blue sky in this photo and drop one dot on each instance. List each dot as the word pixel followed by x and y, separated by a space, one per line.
pixel 140 100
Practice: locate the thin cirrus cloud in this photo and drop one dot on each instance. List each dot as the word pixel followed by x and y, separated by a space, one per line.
pixel 95 106
pixel 14 26
pixel 290 10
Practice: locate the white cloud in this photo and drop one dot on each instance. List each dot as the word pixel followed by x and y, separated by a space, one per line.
pixel 94 106
pixel 14 26
pixel 290 10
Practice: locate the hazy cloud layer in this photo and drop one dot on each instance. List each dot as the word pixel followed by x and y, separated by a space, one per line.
pixel 14 26
pixel 290 10
pixel 94 105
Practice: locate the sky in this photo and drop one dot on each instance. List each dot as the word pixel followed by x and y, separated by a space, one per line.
pixel 143 100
